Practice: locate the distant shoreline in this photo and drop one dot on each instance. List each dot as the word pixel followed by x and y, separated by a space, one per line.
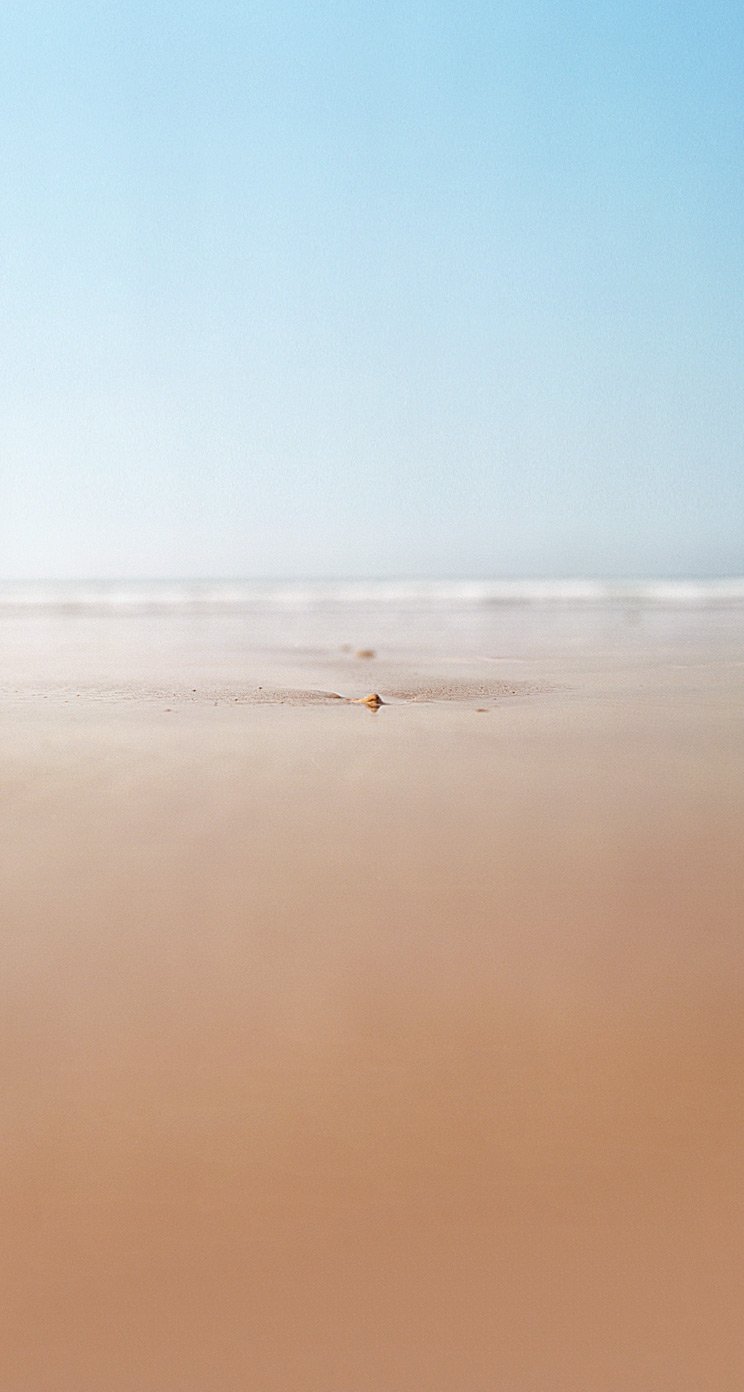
pixel 144 595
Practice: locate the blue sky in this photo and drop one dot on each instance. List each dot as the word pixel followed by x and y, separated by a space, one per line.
pixel 344 289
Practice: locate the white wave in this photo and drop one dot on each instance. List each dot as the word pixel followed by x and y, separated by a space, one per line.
pixel 143 596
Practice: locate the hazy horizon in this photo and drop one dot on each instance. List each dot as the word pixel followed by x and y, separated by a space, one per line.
pixel 391 577
pixel 731 583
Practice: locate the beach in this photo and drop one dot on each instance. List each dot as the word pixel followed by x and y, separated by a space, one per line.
pixel 371 1050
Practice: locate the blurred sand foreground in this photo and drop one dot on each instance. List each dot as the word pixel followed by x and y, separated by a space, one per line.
pixel 354 1051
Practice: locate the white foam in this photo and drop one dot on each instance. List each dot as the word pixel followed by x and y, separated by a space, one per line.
pixel 226 595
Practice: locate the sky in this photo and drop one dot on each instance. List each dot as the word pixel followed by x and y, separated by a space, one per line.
pixel 343 289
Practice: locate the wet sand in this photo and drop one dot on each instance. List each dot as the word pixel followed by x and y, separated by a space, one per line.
pixel 372 1051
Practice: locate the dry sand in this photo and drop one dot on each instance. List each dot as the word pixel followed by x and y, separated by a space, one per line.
pixel 371 1051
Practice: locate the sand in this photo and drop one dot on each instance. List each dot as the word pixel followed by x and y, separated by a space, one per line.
pixel 372 1050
